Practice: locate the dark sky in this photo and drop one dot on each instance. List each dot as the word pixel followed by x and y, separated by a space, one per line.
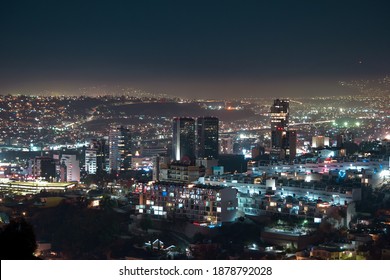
pixel 187 48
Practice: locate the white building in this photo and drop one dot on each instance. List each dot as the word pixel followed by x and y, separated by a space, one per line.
pixel 295 197
pixel 71 170
pixel 90 161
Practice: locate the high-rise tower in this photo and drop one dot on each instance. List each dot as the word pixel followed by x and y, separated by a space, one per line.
pixel 283 140
pixel 183 142
pixel 207 137
pixel 279 115
pixel 120 149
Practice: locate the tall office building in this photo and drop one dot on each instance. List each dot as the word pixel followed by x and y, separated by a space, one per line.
pixel 279 124
pixel 102 155
pixel 70 168
pixel 97 155
pixel 119 149
pixel 280 114
pixel 283 140
pixel 207 137
pixel 183 142
pixel 91 160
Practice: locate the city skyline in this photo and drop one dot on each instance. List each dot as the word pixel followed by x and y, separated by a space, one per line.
pixel 224 49
pixel 305 178
pixel 195 130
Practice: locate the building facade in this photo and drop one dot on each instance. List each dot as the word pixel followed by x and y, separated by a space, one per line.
pixel 202 205
pixel 181 172
pixel 207 137
pixel 70 168
pixel 90 161
pixel 283 140
pixel 183 142
pixel 120 149
pixel 44 167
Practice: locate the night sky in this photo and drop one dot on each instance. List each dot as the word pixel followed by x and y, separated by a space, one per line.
pixel 187 48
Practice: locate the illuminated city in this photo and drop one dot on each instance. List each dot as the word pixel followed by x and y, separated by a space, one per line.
pixel 238 150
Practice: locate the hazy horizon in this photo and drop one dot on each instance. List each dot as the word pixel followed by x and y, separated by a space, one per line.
pixel 229 89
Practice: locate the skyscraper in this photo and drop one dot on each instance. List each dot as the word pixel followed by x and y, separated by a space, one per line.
pixel 283 140
pixel 119 147
pixel 279 123
pixel 102 155
pixel 183 142
pixel 280 113
pixel 98 152
pixel 207 137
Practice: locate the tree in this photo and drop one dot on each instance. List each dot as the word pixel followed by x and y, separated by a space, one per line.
pixel 17 241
